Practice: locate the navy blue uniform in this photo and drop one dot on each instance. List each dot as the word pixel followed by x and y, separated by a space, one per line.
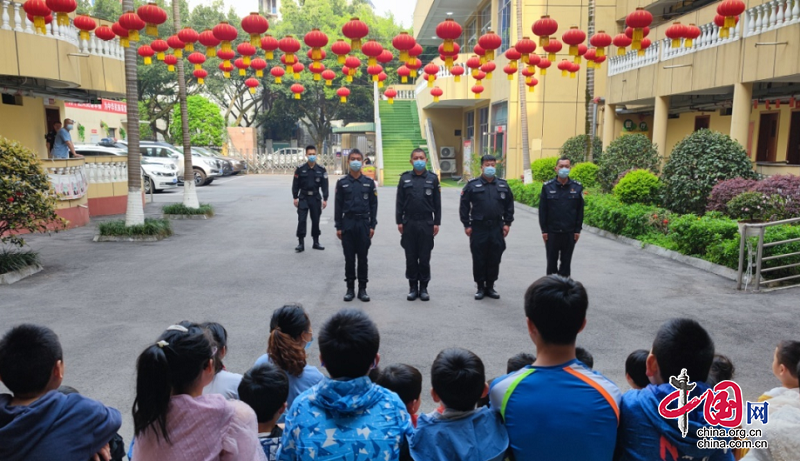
pixel 486 206
pixel 355 214
pixel 306 188
pixel 560 217
pixel 418 209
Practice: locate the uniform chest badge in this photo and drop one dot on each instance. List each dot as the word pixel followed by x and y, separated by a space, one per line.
pixel 502 195
pixel 428 191
pixel 317 179
pixel 345 185
pixel 366 195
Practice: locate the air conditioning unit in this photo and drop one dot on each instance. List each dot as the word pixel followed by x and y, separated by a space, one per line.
pixel 448 166
pixel 447 152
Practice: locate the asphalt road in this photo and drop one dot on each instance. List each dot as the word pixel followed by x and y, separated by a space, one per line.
pixel 107 301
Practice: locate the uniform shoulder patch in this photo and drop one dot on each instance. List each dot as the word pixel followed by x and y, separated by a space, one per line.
pixel 550 181
pixel 578 183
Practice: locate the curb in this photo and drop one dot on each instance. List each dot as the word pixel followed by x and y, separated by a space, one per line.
pixel 187 216
pixel 697 263
pixel 15 276
pixel 117 238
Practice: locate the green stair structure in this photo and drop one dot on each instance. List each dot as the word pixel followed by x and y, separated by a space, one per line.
pixel 401 134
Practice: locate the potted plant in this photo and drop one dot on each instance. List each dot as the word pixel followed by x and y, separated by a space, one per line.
pixel 748 208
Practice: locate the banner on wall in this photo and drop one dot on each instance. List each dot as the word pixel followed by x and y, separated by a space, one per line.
pixel 106 105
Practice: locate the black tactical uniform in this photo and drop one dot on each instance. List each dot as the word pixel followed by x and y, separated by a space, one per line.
pixel 418 209
pixel 306 186
pixel 355 214
pixel 560 217
pixel 486 206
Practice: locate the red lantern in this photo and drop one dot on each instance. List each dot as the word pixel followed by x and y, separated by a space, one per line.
pixel 436 92
pixel 691 33
pixel 104 33
pixel 479 75
pixel 600 41
pixel 431 69
pixel 553 47
pixel 544 28
pixel 457 72
pixel 316 68
pixel 730 10
pixel 448 30
pixel 258 65
pixel 38 10
pixel 131 22
pixel 160 47
pixel 374 71
pixel 353 63
pixel 239 63
pixel 490 42
pixel 188 36
pixel 533 60
pixel 599 61
pixel 488 68
pixel 477 89
pixel 564 66
pixel 289 45
pixel 675 33
pixel 590 56
pixel 246 49
pixel 297 69
pixel 621 41
pixel 510 71
pixel 355 30
pixel 346 73
pixel 328 75
pixel 581 51
pixel 226 55
pixel 170 60
pixel 255 25
pixel 513 56
pixel 62 9
pixel 153 16
pixel 315 40
pixel 413 64
pixel 269 44
pixel 297 89
pixel 403 43
pixel 573 69
pixel 543 65
pixel 474 62
pixel 226 67
pixel 197 59
pixel 629 32
pixel 525 47
pixel 341 49
pixel 527 72
pixel 372 50
pixel 381 78
pixel 177 45
pixel 390 95
pixel 120 31
pixel 322 54
pixel 208 40
pixel 719 20
pixel 531 82
pixel 385 57
pixel 252 84
pixel 147 53
pixel 343 93
pixel 573 37
pixel 85 24
pixel 277 72
pixel 226 34
pixel 403 72
pixel 638 20
pixel 414 52
pixel 643 45
pixel 449 56
pixel 200 75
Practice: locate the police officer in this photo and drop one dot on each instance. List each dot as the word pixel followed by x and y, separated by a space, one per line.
pixel 418 213
pixel 355 216
pixel 561 218
pixel 309 178
pixel 487 211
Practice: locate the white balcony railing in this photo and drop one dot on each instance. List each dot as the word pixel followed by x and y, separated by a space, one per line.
pixel 631 60
pixel 14 18
pixel 771 15
pixel 422 84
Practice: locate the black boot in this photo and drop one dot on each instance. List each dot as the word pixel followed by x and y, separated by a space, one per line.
pixel 362 292
pixel 423 291
pixel 301 247
pixel 481 292
pixel 413 291
pixel 350 292
pixel 316 245
pixel 491 292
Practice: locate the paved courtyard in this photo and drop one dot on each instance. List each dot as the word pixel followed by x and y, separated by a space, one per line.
pixel 107 301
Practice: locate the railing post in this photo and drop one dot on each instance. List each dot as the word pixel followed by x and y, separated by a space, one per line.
pixel 759 255
pixel 741 260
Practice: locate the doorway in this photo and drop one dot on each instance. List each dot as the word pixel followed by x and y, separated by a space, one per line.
pixel 767 137
pixel 793 150
pixel 51 116
pixel 702 122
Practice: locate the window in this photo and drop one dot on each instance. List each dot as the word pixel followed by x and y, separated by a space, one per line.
pixel 485 17
pixel 12 99
pixel 702 122
pixel 483 120
pixel 470 122
pixel 470 36
pixel 504 20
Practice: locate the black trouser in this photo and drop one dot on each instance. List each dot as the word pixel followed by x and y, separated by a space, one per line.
pixel 355 243
pixel 487 245
pixel 417 240
pixel 308 203
pixel 559 244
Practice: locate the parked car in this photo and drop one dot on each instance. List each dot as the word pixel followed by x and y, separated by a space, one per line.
pixel 286 157
pixel 93 150
pixel 237 164
pixel 203 155
pixel 158 176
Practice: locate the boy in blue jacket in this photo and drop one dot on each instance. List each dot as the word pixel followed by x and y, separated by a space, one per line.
pixel 644 435
pixel 38 423
pixel 460 432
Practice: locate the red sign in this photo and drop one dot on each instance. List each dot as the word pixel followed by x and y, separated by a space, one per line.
pixel 115 107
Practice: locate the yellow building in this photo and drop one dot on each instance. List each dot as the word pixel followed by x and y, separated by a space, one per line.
pixel 665 94
pixel 39 74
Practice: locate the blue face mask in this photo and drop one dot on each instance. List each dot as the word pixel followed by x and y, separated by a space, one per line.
pixel 68 127
pixel 420 165
pixel 563 173
pixel 355 165
pixel 489 171
pixel 310 341
pixel 312 159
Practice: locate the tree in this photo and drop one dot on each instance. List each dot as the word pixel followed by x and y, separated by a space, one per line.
pixel 134 213
pixel 110 10
pixel 206 125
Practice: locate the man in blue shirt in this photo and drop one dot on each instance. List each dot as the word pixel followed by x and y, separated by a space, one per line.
pixel 63 143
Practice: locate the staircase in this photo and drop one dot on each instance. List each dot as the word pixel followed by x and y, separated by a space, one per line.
pixel 401 134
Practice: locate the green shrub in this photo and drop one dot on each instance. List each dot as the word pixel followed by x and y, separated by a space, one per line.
pixel 694 235
pixel 697 164
pixel 726 252
pixel 585 173
pixel 610 214
pixel 638 186
pixel 544 169
pixel 754 206
pixel 151 226
pixel 626 153
pixel 576 148
pixel 180 208
pixel 527 194
pixel 13 260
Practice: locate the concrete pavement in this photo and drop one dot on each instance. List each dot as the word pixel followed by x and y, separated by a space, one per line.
pixel 107 301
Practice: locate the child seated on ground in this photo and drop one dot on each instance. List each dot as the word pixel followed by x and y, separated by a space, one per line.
pixel 584 356
pixel 36 421
pixel 265 388
pixel 722 369
pixel 519 361
pixel 224 383
pixel 405 381
pixel 784 367
pixel 636 369
pixel 460 432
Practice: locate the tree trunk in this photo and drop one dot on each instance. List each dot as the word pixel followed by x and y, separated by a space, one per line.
pixel 589 104
pixel 134 214
pixel 523 108
pixel 189 190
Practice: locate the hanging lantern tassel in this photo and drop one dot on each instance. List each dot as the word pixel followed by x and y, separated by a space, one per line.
pixel 297 96
pixel 343 99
